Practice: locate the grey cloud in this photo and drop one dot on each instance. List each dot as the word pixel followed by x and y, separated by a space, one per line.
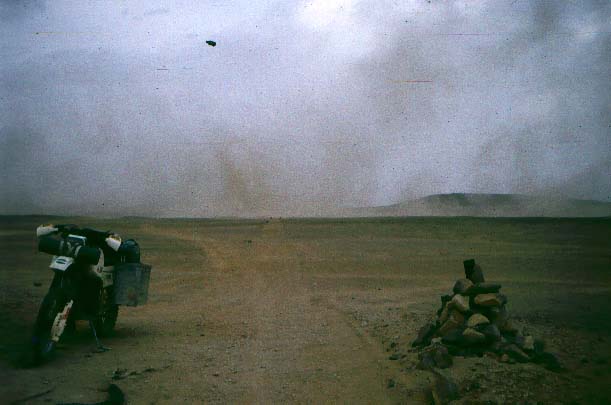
pixel 283 119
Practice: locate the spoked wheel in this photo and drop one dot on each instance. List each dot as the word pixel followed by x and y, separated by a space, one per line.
pixel 107 316
pixel 43 344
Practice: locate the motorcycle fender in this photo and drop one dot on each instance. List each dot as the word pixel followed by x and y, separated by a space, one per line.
pixel 59 324
pixel 61 263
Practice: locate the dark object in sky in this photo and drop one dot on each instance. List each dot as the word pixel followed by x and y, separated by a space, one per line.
pixel 211 43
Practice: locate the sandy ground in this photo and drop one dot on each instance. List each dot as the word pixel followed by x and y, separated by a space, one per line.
pixel 309 311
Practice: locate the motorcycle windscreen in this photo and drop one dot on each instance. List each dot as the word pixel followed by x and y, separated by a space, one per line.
pixel 61 263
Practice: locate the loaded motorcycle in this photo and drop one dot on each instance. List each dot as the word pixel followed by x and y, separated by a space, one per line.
pixel 94 272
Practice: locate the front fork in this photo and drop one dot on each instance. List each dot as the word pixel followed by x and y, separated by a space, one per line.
pixel 60 322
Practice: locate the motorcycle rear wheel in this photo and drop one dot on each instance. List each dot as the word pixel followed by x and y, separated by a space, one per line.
pixel 109 311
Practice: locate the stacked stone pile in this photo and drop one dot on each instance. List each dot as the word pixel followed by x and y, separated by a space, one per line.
pixel 474 321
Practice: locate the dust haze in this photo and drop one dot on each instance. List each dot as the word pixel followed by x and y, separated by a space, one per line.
pixel 301 109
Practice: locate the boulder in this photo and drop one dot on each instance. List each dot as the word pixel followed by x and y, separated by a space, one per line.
pixel 443 389
pixel 516 353
pixel 436 355
pixel 498 346
pixel 425 361
pixel 473 337
pixel 539 346
pixel 459 303
pixel 443 316
pixel 516 338
pixel 453 337
pixel 550 361
pixel 462 286
pixel 473 271
pixel 442 357
pixel 497 315
pixel 424 334
pixel 444 300
pixel 477 319
pixel 500 317
pixel 491 331
pixel 455 320
pixel 507 328
pixel 528 343
pixel 490 300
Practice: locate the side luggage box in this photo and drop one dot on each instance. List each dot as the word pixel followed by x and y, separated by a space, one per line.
pixel 131 283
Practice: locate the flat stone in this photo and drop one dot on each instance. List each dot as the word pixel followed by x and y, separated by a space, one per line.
pixel 462 285
pixel 490 300
pixel 472 337
pixel 477 319
pixel 455 320
pixel 459 303
pixel 484 288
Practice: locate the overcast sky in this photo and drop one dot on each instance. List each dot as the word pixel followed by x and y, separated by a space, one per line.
pixel 121 108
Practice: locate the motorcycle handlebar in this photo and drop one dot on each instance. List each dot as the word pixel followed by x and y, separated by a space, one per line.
pixel 82 254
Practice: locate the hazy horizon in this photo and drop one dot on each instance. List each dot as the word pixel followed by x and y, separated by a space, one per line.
pixel 302 108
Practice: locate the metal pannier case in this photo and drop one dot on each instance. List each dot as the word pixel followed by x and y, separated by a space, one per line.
pixel 132 283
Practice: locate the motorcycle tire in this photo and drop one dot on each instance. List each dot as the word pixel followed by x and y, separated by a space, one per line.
pixel 109 311
pixel 43 345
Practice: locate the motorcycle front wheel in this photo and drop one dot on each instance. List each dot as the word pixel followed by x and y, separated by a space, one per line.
pixel 52 304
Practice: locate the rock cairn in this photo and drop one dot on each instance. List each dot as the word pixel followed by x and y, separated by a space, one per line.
pixel 473 321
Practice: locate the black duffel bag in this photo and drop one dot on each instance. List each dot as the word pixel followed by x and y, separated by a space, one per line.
pixel 61 247
pixel 129 251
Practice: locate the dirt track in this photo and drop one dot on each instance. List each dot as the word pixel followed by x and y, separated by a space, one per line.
pixel 306 311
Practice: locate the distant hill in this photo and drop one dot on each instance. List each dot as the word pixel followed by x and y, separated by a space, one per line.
pixel 487 205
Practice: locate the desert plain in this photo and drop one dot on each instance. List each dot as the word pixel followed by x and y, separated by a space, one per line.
pixel 316 311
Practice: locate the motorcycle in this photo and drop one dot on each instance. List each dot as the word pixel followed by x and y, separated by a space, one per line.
pixel 85 263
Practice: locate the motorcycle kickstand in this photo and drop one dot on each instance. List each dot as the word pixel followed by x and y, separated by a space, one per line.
pixel 100 347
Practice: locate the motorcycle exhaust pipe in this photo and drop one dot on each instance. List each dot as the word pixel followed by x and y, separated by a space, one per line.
pixel 82 254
